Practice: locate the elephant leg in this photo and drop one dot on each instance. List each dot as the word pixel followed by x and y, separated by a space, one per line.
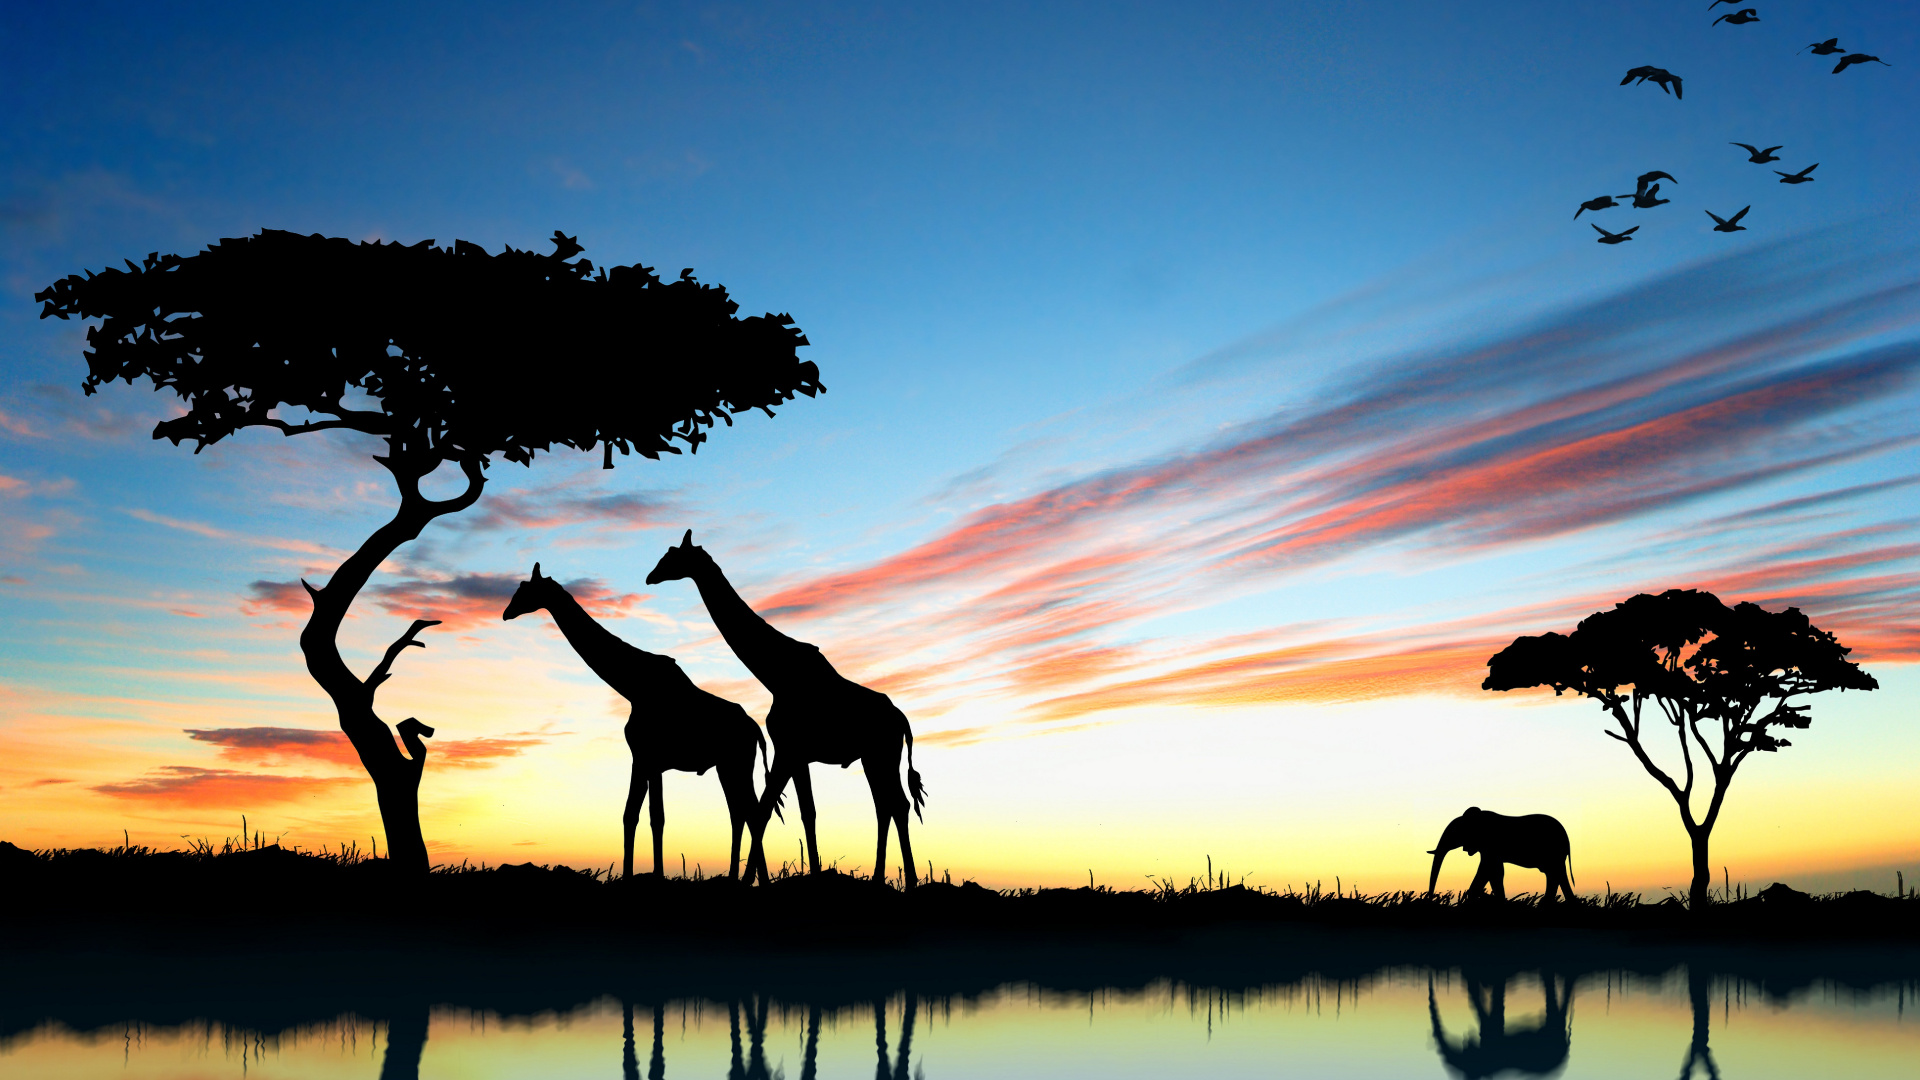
pixel 1497 878
pixel 1483 876
pixel 803 791
pixel 630 818
pixel 657 817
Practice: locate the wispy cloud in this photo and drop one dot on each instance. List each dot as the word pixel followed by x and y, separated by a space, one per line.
pixel 459 601
pixel 279 746
pixel 1777 364
pixel 187 786
pixel 554 509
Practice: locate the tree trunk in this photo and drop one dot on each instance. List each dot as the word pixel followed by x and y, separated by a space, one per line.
pixel 396 777
pixel 1701 894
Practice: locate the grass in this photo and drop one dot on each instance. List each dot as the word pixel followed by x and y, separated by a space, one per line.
pixel 209 881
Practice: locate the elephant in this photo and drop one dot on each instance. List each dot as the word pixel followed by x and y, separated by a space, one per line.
pixel 1535 841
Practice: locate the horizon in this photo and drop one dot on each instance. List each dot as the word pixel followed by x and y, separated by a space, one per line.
pixel 1177 492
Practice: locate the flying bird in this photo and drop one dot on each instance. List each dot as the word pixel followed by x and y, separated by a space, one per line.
pixel 1717 3
pixel 1667 80
pixel 1648 197
pixel 1856 58
pixel 1800 177
pixel 1604 202
pixel 1758 157
pixel 1739 18
pixel 1731 224
pixel 1650 177
pixel 1614 237
pixel 1825 48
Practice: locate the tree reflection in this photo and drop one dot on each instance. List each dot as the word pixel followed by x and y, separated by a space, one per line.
pixel 1699 993
pixel 1538 1050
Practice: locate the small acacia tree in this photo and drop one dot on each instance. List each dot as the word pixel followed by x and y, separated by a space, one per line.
pixel 1718 676
pixel 450 355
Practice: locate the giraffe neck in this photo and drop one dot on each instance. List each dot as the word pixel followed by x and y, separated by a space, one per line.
pixel 768 653
pixel 618 664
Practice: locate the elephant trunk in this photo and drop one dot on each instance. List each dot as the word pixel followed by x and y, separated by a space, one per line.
pixel 1439 856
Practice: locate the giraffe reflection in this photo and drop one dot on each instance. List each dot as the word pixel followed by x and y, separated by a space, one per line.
pixel 899 1071
pixel 1530 1051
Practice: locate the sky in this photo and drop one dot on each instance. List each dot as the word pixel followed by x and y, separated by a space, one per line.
pixel 1209 394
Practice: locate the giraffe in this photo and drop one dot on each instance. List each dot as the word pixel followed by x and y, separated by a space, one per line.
pixel 817 714
pixel 674 724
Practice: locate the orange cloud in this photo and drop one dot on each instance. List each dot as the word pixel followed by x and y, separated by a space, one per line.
pixel 184 785
pixel 266 745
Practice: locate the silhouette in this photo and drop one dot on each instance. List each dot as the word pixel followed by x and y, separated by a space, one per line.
pixel 1644 649
pixel 674 724
pixel 1604 202
pixel 1700 997
pixel 907 1011
pixel 1535 841
pixel 1825 48
pixel 465 354
pixel 1731 224
pixel 1739 18
pixel 1851 59
pixel 1614 238
pixel 1649 197
pixel 1649 177
pixel 754 1067
pixel 809 1057
pixel 1800 177
pixel 1667 80
pixel 1758 157
pixel 817 714
pixel 1532 1051
pixel 406 1044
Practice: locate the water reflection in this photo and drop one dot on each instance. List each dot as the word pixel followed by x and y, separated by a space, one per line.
pixel 1468 1021
pixel 1531 1050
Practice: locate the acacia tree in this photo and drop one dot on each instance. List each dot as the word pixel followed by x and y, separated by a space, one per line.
pixel 1718 676
pixel 451 356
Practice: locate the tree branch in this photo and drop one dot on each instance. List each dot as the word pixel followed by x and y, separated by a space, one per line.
pixel 382 674
pixel 1633 742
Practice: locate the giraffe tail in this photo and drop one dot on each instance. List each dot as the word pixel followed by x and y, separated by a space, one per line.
pixel 914 787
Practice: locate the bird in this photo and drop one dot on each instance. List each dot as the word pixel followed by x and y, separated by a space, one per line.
pixel 1739 18
pixel 1661 76
pixel 1856 58
pixel 1717 3
pixel 1650 177
pixel 1800 177
pixel 1647 198
pixel 1731 224
pixel 1614 237
pixel 1825 48
pixel 1604 202
pixel 1758 157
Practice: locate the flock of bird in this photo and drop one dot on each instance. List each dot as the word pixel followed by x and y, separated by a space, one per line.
pixel 1646 193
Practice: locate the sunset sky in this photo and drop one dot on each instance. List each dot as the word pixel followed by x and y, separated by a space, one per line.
pixel 1209 394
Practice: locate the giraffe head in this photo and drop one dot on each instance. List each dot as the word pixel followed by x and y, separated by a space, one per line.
pixel 532 595
pixel 679 562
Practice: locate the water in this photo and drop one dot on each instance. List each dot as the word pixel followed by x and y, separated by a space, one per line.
pixel 1395 1022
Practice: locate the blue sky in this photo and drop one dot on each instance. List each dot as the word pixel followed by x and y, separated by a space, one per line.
pixel 1038 254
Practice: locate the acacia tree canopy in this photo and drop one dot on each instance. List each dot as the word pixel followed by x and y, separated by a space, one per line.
pixel 465 354
pixel 1719 676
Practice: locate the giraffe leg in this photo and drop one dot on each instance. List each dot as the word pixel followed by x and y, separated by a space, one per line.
pixel 630 818
pixel 736 784
pixel 889 806
pixel 657 817
pixel 777 779
pixel 803 789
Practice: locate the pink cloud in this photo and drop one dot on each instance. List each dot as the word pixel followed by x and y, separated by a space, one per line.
pixel 267 745
pixel 183 785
